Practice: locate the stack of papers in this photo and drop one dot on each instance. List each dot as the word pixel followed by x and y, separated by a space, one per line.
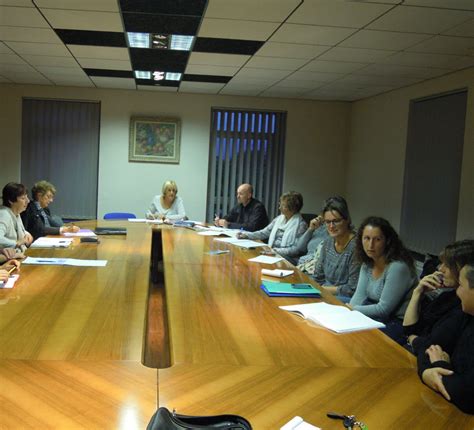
pixel 83 232
pixel 10 283
pixel 336 318
pixel 51 242
pixel 284 289
pixel 65 262
pixel 278 273
pixel 266 259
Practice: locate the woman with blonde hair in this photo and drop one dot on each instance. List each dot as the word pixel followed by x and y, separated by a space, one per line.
pixel 167 205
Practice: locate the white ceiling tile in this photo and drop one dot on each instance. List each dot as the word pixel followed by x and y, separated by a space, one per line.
pixel 16 68
pixel 19 3
pixel 107 82
pixel 5 80
pixel 395 70
pixel 314 76
pixel 249 72
pixel 96 5
pixel 83 20
pixel 95 63
pixel 157 88
pixel 390 40
pixel 71 82
pixel 305 85
pixel 311 34
pixel 11 59
pixel 393 81
pixel 4 49
pixel 236 29
pixel 18 34
pixel 420 19
pixel 449 4
pixel 32 48
pixel 45 60
pixel 261 10
pixel 21 17
pixel 290 50
pixel 355 55
pixel 199 69
pixel 27 78
pixel 63 71
pixel 205 58
pixel 446 45
pixel 332 66
pixel 254 81
pixel 276 63
pixel 283 92
pixel 256 87
pixel 337 13
pixel 466 29
pixel 200 87
pixel 319 94
pixel 418 59
pixel 240 92
pixel 102 52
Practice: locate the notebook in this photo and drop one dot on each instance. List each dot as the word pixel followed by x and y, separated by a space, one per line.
pixel 336 318
pixel 285 289
pixel 110 230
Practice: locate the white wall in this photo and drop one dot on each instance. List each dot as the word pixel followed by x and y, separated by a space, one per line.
pixel 376 156
pixel 316 144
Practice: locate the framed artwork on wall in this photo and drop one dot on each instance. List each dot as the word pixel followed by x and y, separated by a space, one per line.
pixel 154 140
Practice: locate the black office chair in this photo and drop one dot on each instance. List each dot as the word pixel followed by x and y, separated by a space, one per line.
pixel 119 215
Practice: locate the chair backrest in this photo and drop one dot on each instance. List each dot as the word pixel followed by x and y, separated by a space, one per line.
pixel 119 215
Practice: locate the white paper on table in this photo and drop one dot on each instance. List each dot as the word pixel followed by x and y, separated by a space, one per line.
pixel 51 242
pixel 244 243
pixel 297 423
pixel 231 240
pixel 137 220
pixel 279 273
pixel 209 233
pixel 266 259
pixel 155 221
pixel 10 283
pixel 81 233
pixel 65 262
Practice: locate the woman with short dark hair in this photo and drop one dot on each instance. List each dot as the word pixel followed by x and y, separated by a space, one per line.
pixel 12 231
pixel 337 269
pixel 285 230
pixel 37 218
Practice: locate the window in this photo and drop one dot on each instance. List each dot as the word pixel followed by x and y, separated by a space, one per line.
pixel 246 146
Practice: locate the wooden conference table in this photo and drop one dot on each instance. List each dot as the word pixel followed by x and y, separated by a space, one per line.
pixel 73 340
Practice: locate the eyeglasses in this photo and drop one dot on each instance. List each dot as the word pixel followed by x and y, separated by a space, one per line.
pixel 333 221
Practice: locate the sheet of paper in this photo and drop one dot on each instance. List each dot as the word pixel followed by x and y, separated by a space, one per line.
pixel 266 259
pixel 51 242
pixel 244 243
pixel 10 282
pixel 81 233
pixel 231 240
pixel 279 273
pixel 137 220
pixel 65 262
pixel 209 233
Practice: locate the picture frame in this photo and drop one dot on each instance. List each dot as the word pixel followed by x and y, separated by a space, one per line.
pixel 154 140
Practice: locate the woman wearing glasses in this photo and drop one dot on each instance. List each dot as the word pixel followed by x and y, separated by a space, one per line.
pixel 337 270
pixel 387 275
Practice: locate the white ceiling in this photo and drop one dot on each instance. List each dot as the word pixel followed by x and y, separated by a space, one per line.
pixel 313 49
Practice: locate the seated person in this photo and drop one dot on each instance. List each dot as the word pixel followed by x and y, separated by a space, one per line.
pixel 284 231
pixel 37 217
pixel 446 356
pixel 167 206
pixel 387 275
pixel 435 296
pixel 311 244
pixel 248 215
pixel 337 269
pixel 12 232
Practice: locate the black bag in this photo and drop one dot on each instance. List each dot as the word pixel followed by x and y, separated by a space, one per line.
pixel 163 419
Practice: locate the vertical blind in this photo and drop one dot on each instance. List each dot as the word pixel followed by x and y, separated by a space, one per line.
pixel 433 172
pixel 246 146
pixel 60 144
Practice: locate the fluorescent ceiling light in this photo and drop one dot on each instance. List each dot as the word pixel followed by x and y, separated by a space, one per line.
pixel 139 74
pixel 173 76
pixel 139 40
pixel 181 43
pixel 158 76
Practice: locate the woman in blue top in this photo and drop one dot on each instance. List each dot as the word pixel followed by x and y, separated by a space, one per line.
pixel 387 275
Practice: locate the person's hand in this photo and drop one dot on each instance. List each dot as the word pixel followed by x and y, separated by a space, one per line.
pixel 429 283
pixel 4 275
pixel 411 338
pixel 223 223
pixel 28 239
pixel 436 353
pixel 241 235
pixel 433 377
pixel 9 253
pixel 315 223
pixel 12 264
pixel 69 229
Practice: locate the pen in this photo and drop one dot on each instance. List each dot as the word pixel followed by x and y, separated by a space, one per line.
pixel 12 270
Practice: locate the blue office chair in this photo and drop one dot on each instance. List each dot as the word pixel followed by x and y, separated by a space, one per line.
pixel 119 215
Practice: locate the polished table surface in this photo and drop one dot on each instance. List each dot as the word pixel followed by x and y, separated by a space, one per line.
pixel 72 341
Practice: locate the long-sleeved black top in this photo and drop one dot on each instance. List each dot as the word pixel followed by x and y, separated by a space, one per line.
pixel 252 217
pixel 456 337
